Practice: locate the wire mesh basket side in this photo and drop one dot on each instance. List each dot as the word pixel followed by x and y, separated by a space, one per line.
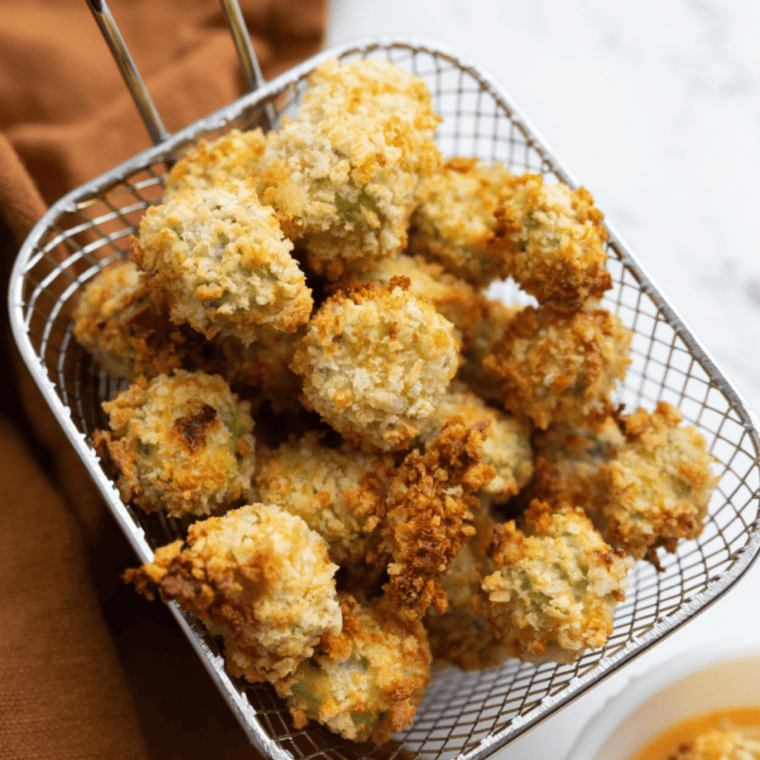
pixel 463 714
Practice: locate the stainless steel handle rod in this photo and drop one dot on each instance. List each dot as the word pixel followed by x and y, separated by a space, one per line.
pixel 243 44
pixel 128 70
pixel 246 53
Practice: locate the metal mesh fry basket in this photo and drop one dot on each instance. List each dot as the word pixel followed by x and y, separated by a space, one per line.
pixel 465 715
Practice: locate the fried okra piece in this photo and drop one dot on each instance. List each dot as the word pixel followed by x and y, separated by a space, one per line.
pixel 183 443
pixel 490 329
pixel 233 156
pixel 219 259
pixel 429 516
pixel 573 464
pixel 366 682
pixel 459 635
pixel 344 177
pixel 719 744
pixel 661 483
pixel 263 365
pixel 551 242
pixel 375 363
pixel 557 367
pixel 506 448
pixel 455 299
pixel 455 224
pixel 122 324
pixel 259 578
pixel 339 493
pixel 555 588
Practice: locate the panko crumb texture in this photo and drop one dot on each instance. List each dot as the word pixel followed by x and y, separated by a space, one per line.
pixel 231 157
pixel 551 242
pixel 219 258
pixel 556 367
pixel 366 682
pixel 661 483
pixel 258 577
pixel 555 588
pixel 456 223
pixel 438 478
pixel 345 176
pixel 506 447
pixel 375 362
pixel 181 442
pixel 123 324
pixel 339 493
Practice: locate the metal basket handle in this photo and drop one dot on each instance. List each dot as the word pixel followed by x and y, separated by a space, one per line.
pixel 134 81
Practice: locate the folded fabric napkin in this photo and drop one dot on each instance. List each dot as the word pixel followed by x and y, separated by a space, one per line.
pixel 88 668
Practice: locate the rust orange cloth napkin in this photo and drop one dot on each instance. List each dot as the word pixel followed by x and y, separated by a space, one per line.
pixel 87 668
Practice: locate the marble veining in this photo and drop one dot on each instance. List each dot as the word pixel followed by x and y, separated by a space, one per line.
pixel 655 107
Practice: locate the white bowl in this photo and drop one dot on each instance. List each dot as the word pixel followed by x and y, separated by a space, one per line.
pixel 703 680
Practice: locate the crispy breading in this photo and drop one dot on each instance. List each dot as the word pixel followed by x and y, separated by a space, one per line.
pixel 428 516
pixel 661 483
pixel 554 591
pixel 219 259
pixel 263 365
pixel 119 320
pixel 233 156
pixel 258 577
pixel 455 299
pixel 344 177
pixel 550 240
pixel 490 329
pixel 557 367
pixel 365 682
pixel 181 442
pixel 375 362
pixel 459 635
pixel 573 464
pixel 506 448
pixel 339 493
pixel 455 224
pixel 719 744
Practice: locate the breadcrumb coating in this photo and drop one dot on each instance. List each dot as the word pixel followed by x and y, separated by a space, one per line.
pixel 719 744
pixel 220 260
pixel 661 483
pixel 557 367
pixel 453 298
pixel 339 493
pixel 263 365
pixel 370 87
pixel 455 224
pixel 181 442
pixel 366 682
pixel 258 577
pixel 551 242
pixel 490 329
pixel 119 320
pixel 573 464
pixel 555 589
pixel 344 177
pixel 459 635
pixel 428 516
pixel 375 362
pixel 506 448
pixel 233 156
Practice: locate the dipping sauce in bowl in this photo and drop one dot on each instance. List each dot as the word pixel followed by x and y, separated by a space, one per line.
pixel 666 744
pixel 716 687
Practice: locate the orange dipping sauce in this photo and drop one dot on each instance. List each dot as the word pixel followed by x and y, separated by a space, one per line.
pixel 744 719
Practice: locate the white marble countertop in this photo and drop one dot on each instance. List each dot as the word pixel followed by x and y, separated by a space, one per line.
pixel 654 106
